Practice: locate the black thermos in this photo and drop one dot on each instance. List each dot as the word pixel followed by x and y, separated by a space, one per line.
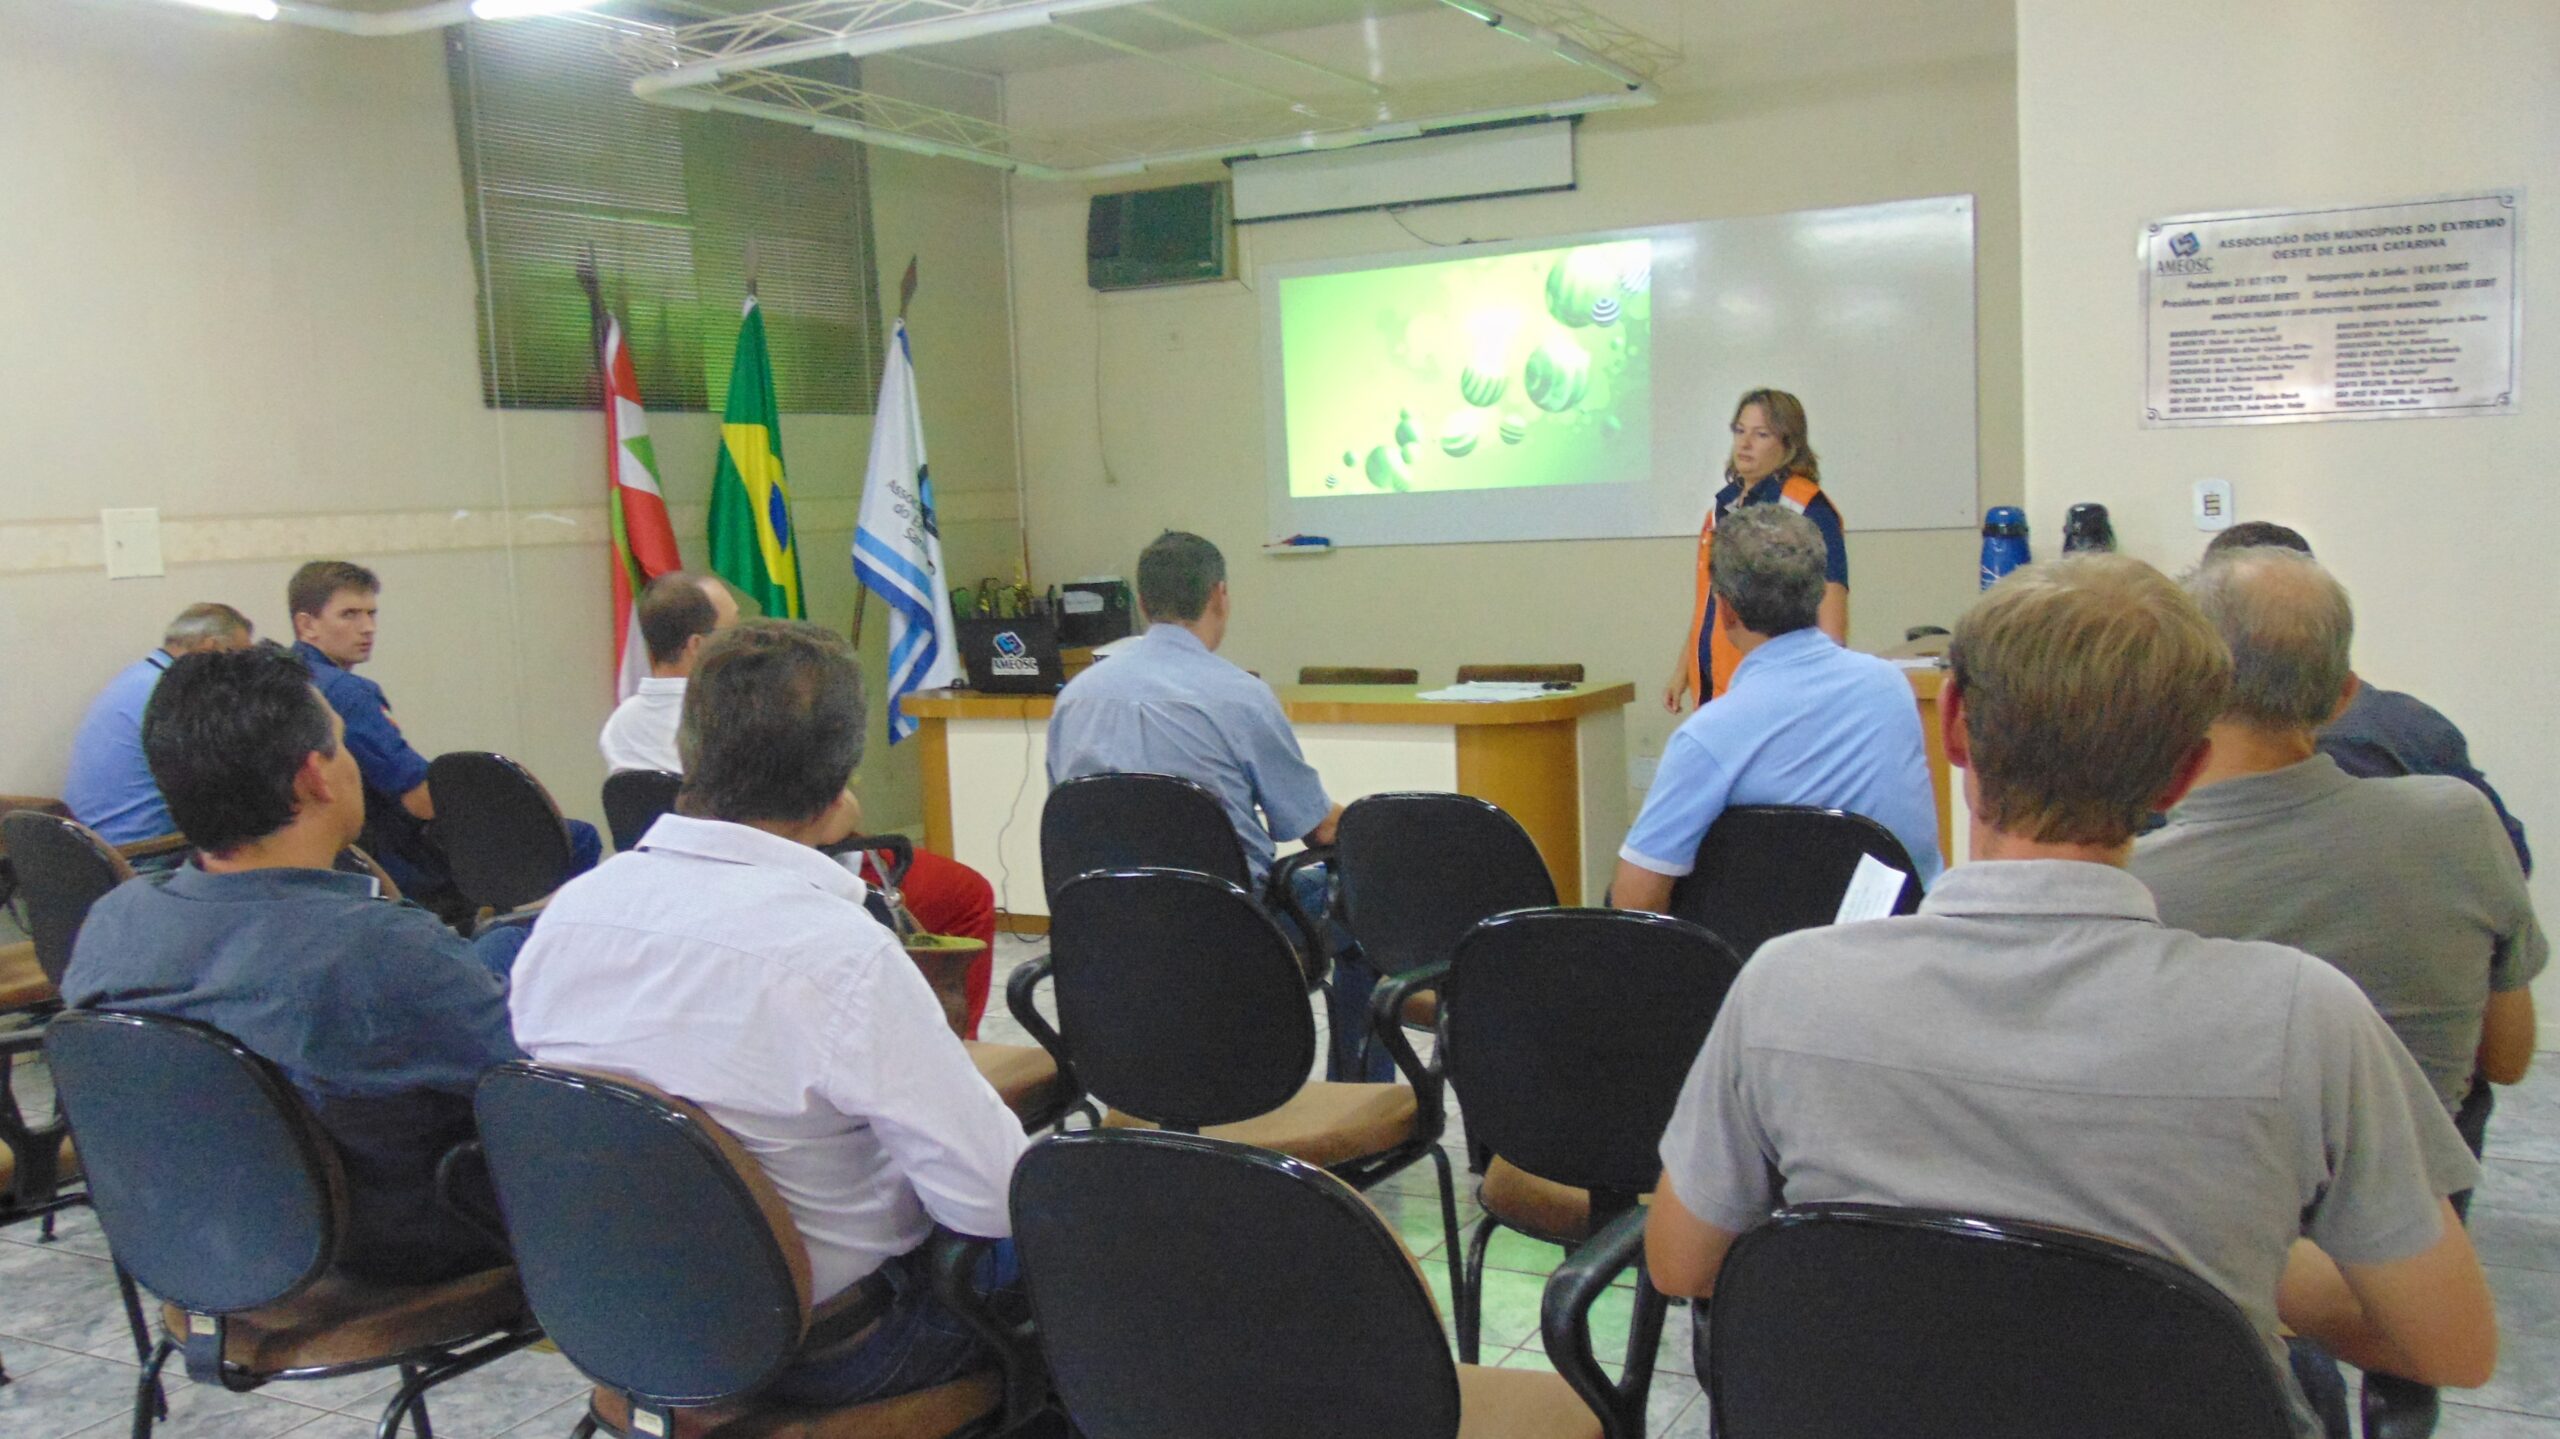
pixel 2086 528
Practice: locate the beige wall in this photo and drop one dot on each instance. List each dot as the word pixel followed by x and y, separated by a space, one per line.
pixel 2441 527
pixel 1144 410
pixel 238 290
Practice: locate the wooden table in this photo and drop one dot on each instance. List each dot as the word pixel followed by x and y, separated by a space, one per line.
pixel 1556 762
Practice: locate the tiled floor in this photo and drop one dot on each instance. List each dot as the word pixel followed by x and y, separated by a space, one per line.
pixel 71 1362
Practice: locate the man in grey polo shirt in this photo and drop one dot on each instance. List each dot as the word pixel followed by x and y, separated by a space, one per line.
pixel 2409 885
pixel 2036 1045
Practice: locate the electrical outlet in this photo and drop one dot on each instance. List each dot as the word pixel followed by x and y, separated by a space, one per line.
pixel 2213 504
pixel 132 543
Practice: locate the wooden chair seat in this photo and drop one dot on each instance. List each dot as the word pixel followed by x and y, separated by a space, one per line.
pixel 340 1321
pixel 925 1414
pixel 1324 1124
pixel 22 981
pixel 1024 1075
pixel 9 1166
pixel 1540 1208
pixel 1521 1404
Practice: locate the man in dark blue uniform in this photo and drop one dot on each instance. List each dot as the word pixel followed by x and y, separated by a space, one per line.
pixel 333 603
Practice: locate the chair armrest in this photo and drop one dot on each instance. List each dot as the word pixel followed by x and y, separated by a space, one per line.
pixel 524 914
pixel 1280 892
pixel 900 850
pixel 1386 1023
pixel 1564 1324
pixel 29 1040
pixel 461 1168
pixel 150 848
pixel 951 1261
pixel 1021 992
pixel 40 803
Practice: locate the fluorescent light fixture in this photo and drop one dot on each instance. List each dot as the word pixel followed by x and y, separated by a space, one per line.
pixel 254 9
pixel 523 9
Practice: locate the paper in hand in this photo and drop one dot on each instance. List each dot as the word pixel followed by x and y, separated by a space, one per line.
pixel 1872 891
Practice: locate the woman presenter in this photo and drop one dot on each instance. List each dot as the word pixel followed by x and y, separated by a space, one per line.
pixel 1773 464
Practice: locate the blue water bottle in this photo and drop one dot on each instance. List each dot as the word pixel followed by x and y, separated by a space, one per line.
pixel 2004 542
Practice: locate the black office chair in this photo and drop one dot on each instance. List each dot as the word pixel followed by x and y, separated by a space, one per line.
pixel 1159 821
pixel 1856 1319
pixel 1357 675
pixel 1568 1034
pixel 1179 1006
pixel 1767 870
pixel 502 834
pixel 634 799
pixel 667 1268
pixel 1417 870
pixel 1543 674
pixel 221 1194
pixel 1186 1286
pixel 63 867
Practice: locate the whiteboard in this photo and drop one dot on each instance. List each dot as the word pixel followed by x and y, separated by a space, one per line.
pixel 1866 313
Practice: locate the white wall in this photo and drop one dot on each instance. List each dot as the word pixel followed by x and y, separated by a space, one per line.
pixel 2442 528
pixel 238 289
pixel 1144 410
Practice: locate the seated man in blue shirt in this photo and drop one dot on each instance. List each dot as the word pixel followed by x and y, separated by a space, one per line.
pixel 1169 705
pixel 382 1018
pixel 1804 722
pixel 334 606
pixel 2384 734
pixel 109 788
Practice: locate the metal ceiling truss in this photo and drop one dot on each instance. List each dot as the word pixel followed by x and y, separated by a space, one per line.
pixel 735 64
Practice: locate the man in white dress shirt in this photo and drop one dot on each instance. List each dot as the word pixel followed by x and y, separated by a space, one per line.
pixel 679 613
pixel 726 960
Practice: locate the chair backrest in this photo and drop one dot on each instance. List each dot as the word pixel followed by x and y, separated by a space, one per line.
pixel 1570 1032
pixel 63 868
pixel 216 1187
pixel 502 834
pixel 1416 871
pixel 1179 1000
pixel 1357 675
pixel 1191 1286
pixel 633 801
pixel 353 860
pixel 1861 1319
pixel 652 1249
pixel 1136 821
pixel 1767 870
pixel 1521 674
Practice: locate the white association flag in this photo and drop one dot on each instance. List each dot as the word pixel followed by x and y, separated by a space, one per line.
pixel 897 543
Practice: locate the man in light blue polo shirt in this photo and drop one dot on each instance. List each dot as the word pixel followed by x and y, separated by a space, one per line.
pixel 1169 705
pixel 1804 721
pixel 109 788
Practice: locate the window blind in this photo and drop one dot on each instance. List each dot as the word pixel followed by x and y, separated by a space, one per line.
pixel 559 157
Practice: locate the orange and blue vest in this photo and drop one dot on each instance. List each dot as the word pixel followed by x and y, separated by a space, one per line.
pixel 1708 647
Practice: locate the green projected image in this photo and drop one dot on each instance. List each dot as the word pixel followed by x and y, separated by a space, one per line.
pixel 1494 372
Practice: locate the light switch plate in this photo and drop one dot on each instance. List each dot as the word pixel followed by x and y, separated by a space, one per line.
pixel 2213 504
pixel 132 541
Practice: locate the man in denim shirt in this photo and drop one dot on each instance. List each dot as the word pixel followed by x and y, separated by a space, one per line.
pixel 381 1017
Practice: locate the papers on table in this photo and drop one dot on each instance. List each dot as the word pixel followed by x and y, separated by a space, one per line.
pixel 1872 891
pixel 1486 691
pixel 1917 662
pixel 1106 651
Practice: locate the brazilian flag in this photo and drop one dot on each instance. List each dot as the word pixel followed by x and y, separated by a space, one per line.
pixel 752 544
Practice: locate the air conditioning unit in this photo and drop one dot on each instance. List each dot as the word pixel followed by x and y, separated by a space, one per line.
pixel 1174 236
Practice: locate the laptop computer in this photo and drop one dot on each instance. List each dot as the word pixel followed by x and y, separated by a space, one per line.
pixel 1012 656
